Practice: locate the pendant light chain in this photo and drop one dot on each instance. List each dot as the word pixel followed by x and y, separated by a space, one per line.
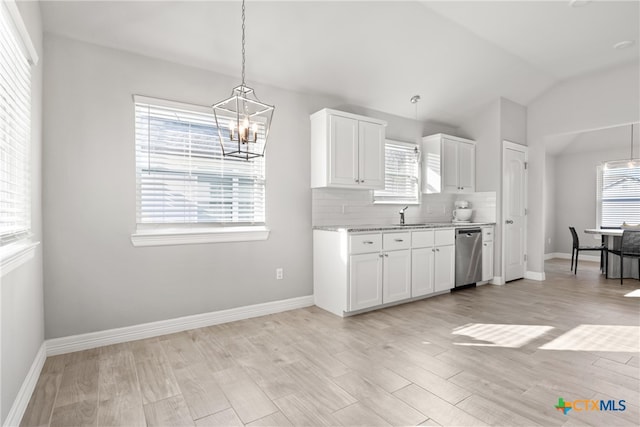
pixel 243 38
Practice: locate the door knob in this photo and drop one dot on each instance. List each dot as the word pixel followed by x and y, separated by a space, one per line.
pixel 509 221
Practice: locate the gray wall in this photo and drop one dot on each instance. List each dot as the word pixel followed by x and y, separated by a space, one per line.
pixel 598 100
pixel 575 195
pixel 571 183
pixel 94 278
pixel 498 121
pixel 21 299
pixel 550 213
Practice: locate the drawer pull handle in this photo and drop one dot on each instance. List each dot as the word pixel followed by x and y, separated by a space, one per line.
pixel 399 240
pixel 367 242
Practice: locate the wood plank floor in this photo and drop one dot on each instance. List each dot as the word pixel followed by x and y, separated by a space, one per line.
pixel 494 355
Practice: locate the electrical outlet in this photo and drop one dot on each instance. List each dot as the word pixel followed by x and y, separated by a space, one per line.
pixel 279 273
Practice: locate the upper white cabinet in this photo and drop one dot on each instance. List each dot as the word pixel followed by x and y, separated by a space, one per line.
pixel 448 164
pixel 347 150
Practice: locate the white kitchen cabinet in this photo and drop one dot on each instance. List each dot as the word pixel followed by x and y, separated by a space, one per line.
pixel 396 282
pixel 433 261
pixel 353 272
pixel 487 253
pixel 347 150
pixel 365 281
pixel 422 271
pixel 444 268
pixel 448 164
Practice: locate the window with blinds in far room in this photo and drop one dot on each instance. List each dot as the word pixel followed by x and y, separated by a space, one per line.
pixel 182 177
pixel 618 193
pixel 401 184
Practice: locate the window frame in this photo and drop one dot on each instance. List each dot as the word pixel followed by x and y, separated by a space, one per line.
pixel 21 247
pixel 166 233
pixel 379 199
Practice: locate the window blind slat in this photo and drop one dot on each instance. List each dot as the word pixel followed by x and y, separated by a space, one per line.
pixel 182 176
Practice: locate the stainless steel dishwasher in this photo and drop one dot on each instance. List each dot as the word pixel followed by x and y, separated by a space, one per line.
pixel 468 256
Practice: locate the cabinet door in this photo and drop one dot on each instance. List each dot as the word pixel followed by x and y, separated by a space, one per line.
pixel 365 281
pixel 343 163
pixel 466 167
pixel 449 168
pixel 396 282
pixel 422 271
pixel 487 261
pixel 371 151
pixel 444 271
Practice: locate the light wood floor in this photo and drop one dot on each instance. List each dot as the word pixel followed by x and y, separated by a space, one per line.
pixel 485 356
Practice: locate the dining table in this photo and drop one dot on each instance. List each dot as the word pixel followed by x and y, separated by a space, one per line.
pixel 612 239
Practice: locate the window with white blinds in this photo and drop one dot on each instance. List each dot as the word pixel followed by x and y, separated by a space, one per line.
pixel 182 177
pixel 401 166
pixel 15 139
pixel 618 193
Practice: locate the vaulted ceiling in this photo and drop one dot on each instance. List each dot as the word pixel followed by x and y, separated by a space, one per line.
pixel 457 55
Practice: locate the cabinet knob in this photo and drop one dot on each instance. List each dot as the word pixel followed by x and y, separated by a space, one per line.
pixel 387 255
pixel 437 250
pixel 398 240
pixel 356 180
pixel 362 181
pixel 381 255
pixel 367 242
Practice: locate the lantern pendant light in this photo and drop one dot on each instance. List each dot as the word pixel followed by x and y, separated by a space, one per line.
pixel 243 122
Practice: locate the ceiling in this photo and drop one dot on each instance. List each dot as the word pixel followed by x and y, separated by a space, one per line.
pixel 613 139
pixel 458 56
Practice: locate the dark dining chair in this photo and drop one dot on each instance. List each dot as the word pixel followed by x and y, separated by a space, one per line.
pixel 629 248
pixel 575 251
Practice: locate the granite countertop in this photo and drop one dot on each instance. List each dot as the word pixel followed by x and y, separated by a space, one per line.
pixel 396 227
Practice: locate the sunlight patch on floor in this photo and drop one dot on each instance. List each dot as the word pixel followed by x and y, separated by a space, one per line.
pixel 635 293
pixel 598 338
pixel 500 335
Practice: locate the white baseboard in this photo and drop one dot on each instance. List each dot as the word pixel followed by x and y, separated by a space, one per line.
pixel 497 280
pixel 534 275
pixel 561 255
pixel 148 330
pixel 26 390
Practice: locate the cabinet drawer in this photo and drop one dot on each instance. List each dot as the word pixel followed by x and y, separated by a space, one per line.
pixel 392 241
pixel 422 239
pixel 487 234
pixel 444 237
pixel 363 243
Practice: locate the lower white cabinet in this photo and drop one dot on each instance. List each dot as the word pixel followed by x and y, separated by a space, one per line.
pixel 353 272
pixel 444 268
pixel 487 253
pixel 396 272
pixel 365 281
pixel 422 271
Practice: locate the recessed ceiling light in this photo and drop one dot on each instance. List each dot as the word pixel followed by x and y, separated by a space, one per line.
pixel 624 44
pixel 579 3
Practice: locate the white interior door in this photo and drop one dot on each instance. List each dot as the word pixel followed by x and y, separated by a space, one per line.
pixel 514 204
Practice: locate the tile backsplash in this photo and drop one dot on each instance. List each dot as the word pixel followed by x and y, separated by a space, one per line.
pixel 355 207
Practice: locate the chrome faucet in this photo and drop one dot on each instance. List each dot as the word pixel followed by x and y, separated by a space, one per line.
pixel 402 214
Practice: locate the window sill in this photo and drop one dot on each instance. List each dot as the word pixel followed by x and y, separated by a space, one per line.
pixel 168 236
pixel 395 202
pixel 14 255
